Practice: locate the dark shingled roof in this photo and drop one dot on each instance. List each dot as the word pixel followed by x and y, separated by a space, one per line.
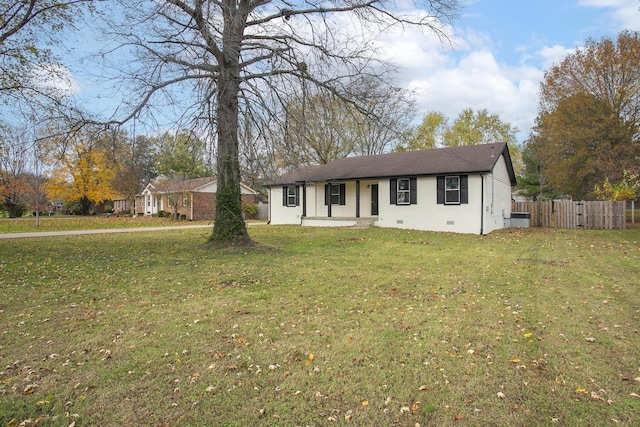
pixel 450 160
pixel 181 184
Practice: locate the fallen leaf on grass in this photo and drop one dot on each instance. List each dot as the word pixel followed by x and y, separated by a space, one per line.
pixel 501 395
pixel 581 390
pixel 634 395
pixel 309 359
pixel 514 360
pixel 30 388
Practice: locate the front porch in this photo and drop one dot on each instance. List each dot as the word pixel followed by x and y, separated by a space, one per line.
pixel 361 222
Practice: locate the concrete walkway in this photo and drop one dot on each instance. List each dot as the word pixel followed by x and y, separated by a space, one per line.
pixel 100 231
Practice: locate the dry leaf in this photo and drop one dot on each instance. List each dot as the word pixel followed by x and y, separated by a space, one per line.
pixel 501 395
pixel 309 360
pixel 581 390
pixel 514 360
pixel 365 403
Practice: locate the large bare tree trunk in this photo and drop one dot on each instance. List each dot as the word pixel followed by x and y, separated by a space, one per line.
pixel 229 225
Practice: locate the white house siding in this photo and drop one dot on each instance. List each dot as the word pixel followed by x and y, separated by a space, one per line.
pixel 426 214
pixel 279 214
pixel 497 197
pixel 489 203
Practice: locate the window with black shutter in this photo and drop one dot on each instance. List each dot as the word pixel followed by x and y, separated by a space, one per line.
pixel 291 195
pixel 403 191
pixel 452 189
pixel 335 193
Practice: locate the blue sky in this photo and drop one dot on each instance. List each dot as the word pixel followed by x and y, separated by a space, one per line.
pixel 501 50
pixel 496 62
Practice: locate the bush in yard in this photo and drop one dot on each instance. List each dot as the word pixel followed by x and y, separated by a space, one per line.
pixel 250 210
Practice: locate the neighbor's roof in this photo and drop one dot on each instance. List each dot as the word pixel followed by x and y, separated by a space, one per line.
pixel 181 184
pixel 467 159
pixel 176 184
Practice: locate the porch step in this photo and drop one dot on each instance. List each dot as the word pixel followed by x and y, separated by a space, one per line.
pixel 363 223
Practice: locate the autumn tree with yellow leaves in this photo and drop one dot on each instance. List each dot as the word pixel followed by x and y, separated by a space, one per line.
pixel 82 175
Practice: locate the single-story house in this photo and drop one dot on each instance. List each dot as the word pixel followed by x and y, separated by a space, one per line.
pixel 457 189
pixel 195 199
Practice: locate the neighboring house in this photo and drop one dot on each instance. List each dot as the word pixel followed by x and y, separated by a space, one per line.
pixel 195 199
pixel 458 189
pixel 121 206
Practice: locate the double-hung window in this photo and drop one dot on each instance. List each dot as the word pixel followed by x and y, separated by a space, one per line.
pixel 290 195
pixel 403 191
pixel 451 190
pixel 335 194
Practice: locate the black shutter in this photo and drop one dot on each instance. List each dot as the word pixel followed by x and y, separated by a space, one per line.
pixel 284 196
pixel 327 194
pixel 393 191
pixel 297 195
pixel 413 191
pixel 343 187
pixel 464 189
pixel 440 189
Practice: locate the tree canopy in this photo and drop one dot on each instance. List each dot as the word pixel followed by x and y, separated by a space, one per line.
pixel 81 173
pixel 588 128
pixel 31 76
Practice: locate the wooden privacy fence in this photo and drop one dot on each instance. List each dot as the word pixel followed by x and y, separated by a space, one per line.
pixel 570 214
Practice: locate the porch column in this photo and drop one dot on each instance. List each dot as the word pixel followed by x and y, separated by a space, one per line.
pixel 357 198
pixel 304 200
pixel 327 197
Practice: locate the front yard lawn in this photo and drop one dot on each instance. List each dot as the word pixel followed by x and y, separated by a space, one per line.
pixel 321 326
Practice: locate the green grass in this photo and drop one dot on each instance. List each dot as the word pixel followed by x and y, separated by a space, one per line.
pixel 320 326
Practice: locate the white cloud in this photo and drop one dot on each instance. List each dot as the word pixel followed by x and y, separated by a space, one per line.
pixel 55 77
pixel 553 55
pixel 624 14
pixel 468 75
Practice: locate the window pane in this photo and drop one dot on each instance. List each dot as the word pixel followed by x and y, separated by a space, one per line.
pixel 452 182
pixel 335 194
pixel 403 184
pixel 452 196
pixel 291 196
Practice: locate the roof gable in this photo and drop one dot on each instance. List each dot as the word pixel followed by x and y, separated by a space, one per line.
pixel 437 161
pixel 197 185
